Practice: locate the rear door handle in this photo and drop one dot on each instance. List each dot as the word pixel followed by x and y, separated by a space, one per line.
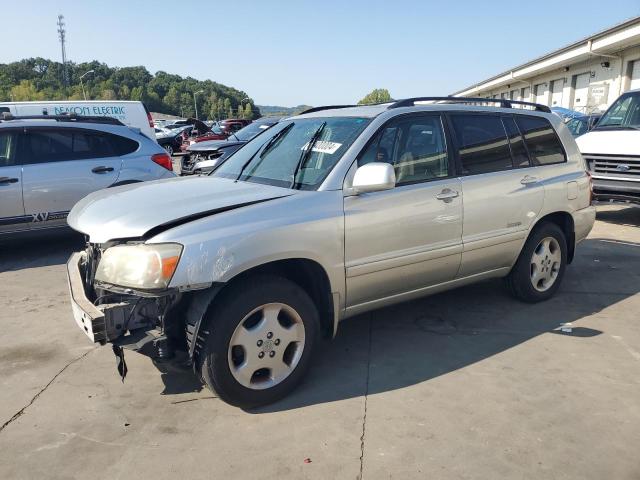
pixel 447 194
pixel 102 169
pixel 528 180
pixel 8 180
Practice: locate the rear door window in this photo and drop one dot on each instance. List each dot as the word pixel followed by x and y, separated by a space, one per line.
pixel 516 142
pixel 482 143
pixel 541 140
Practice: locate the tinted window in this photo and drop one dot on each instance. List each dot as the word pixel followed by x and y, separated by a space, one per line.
pixel 415 147
pixel 57 145
pixel 518 150
pixel 541 140
pixel 7 149
pixel 482 143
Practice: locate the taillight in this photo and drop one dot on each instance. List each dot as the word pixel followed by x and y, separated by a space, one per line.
pixel 163 160
pixel 151 124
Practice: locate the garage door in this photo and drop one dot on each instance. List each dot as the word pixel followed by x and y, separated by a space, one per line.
pixel 581 92
pixel 515 95
pixel 526 93
pixel 541 94
pixel 635 76
pixel 556 92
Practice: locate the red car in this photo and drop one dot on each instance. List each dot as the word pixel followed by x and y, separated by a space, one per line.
pixel 200 133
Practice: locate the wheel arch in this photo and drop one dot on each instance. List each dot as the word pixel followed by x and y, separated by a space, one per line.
pixel 306 273
pixel 565 221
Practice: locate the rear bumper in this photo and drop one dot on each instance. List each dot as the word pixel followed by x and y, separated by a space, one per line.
pixel 583 221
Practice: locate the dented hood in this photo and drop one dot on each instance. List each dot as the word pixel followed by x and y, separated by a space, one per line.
pixel 144 209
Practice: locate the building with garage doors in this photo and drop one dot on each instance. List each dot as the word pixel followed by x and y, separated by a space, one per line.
pixel 586 76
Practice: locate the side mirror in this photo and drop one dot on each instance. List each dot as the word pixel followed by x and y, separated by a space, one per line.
pixel 374 177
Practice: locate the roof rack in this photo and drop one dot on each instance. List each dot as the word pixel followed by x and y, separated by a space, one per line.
pixel 326 107
pixel 68 117
pixel 503 102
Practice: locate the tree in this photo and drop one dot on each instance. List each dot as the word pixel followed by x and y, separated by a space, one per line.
pixel 378 95
pixel 248 111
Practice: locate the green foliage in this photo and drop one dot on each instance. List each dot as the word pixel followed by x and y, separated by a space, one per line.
pixel 42 79
pixel 378 95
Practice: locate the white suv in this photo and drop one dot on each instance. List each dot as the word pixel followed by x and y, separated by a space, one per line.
pixel 324 216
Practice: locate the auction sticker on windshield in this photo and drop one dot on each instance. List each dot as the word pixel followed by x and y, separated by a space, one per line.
pixel 323 146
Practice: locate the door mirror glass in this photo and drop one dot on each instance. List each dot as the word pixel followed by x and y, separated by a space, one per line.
pixel 374 177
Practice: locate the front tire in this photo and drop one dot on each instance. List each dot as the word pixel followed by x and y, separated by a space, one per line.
pixel 262 333
pixel 539 270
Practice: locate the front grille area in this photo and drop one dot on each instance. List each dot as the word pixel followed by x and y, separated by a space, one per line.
pixel 614 165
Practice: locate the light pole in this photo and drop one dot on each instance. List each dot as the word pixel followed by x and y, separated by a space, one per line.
pixel 82 84
pixel 195 104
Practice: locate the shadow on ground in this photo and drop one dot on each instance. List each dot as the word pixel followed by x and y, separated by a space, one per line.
pixel 629 217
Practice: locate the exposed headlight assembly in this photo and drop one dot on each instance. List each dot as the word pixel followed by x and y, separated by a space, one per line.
pixel 144 267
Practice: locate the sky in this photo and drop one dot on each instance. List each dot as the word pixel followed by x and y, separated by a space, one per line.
pixel 291 52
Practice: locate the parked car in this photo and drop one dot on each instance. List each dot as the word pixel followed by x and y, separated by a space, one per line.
pixel 131 113
pixel 201 132
pixel 171 142
pixel 203 157
pixel 48 164
pixel 231 125
pixel 326 215
pixel 612 151
pixel 581 124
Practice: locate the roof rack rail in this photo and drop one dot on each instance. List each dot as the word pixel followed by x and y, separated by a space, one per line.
pixel 69 117
pixel 503 102
pixel 325 107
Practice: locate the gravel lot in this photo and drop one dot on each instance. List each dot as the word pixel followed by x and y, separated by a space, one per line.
pixel 465 384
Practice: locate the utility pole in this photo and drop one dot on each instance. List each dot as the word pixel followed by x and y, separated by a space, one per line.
pixel 62 35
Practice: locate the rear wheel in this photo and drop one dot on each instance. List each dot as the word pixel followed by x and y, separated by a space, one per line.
pixel 169 149
pixel 537 274
pixel 262 333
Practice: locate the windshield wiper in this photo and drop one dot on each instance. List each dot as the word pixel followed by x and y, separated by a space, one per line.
pixel 306 152
pixel 264 148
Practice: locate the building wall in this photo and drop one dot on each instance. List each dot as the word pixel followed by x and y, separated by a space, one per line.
pixel 587 86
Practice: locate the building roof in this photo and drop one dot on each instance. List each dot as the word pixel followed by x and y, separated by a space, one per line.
pixel 604 43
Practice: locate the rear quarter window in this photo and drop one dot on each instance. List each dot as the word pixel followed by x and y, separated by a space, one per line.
pixel 541 140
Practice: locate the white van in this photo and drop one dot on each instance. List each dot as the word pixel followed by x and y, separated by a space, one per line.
pixel 131 113
pixel 612 152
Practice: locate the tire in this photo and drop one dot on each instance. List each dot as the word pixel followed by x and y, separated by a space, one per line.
pixel 535 279
pixel 248 373
pixel 169 150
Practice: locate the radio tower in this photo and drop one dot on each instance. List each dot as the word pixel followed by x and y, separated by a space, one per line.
pixel 62 36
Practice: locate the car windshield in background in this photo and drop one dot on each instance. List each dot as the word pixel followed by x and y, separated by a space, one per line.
pixel 247 133
pixel 284 152
pixel 578 126
pixel 624 113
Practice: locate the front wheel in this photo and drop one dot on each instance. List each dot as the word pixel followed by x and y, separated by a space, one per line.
pixel 262 333
pixel 537 274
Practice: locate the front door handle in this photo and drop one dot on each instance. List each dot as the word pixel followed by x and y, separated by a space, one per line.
pixel 102 169
pixel 528 180
pixel 8 180
pixel 447 195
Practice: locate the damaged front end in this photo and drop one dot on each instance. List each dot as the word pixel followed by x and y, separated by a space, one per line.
pixel 126 317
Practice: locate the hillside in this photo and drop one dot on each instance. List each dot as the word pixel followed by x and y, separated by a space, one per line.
pixel 42 79
pixel 275 111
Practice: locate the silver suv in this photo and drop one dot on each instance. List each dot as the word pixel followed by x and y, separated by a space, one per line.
pixel 48 163
pixel 324 216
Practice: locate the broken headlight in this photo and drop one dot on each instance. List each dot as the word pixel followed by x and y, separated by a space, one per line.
pixel 145 267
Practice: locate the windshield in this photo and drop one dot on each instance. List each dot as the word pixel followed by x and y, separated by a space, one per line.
pixel 247 133
pixel 624 113
pixel 277 155
pixel 578 126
